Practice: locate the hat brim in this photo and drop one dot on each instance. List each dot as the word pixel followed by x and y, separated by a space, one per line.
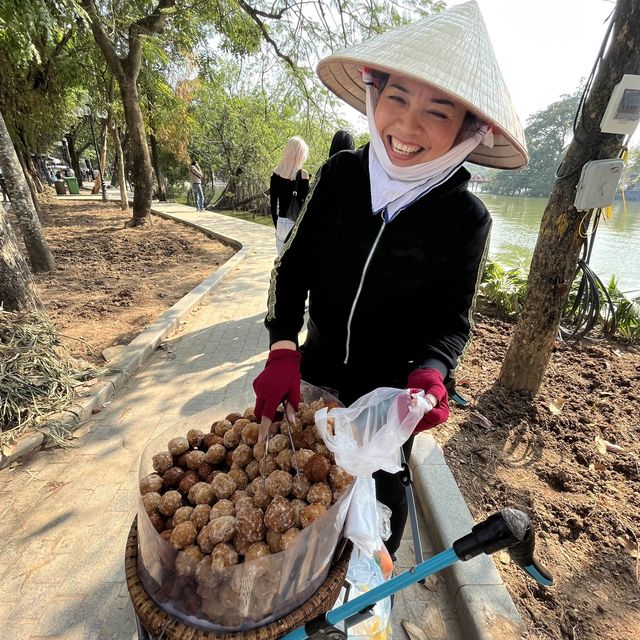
pixel 342 76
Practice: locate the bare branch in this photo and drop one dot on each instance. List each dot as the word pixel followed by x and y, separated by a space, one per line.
pixel 102 39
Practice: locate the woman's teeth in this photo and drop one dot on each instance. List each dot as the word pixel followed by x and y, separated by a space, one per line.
pixel 403 149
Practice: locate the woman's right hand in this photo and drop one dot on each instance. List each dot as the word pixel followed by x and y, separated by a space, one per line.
pixel 278 382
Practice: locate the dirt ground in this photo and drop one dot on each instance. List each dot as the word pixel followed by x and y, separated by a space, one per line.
pixel 113 281
pixel 570 458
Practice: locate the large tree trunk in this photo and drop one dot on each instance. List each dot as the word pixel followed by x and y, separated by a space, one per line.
pixel 74 155
pixel 17 291
pixel 39 254
pixel 553 266
pixel 124 203
pixel 142 174
pixel 162 193
pixel 29 182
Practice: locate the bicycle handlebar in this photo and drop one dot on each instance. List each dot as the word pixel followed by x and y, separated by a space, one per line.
pixel 509 529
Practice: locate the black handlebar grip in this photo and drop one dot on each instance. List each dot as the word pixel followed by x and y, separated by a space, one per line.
pixel 510 529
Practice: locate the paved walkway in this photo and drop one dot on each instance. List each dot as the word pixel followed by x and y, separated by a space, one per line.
pixel 65 514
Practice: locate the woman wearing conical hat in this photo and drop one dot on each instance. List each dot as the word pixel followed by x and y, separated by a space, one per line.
pixel 390 244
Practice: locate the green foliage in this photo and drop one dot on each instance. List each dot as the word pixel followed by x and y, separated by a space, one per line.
pixel 506 288
pixel 547 133
pixel 627 312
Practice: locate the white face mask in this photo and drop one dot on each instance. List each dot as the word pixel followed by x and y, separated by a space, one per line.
pixel 394 188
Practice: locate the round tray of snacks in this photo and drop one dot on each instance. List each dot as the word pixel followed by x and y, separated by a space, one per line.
pixel 236 538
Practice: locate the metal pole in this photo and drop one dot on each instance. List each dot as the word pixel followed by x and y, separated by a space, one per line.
pixel 95 145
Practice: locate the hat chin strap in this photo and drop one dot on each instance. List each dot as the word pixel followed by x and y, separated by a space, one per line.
pixel 425 170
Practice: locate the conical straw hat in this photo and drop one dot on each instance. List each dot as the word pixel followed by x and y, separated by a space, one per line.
pixel 451 51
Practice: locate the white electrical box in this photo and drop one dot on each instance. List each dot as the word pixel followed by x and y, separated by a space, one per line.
pixel 622 114
pixel 598 183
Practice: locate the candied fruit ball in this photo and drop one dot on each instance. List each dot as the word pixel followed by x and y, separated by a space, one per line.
pixel 194 489
pixel 274 540
pixel 194 459
pixel 189 479
pixel 170 503
pixel 320 492
pixel 223 507
pixel 187 561
pixel 231 439
pixel 151 501
pixel 279 483
pixel 278 443
pixel 210 439
pixel 223 555
pixel 259 450
pixel 301 486
pixel 339 478
pixel 233 417
pixel 303 439
pixel 223 486
pixel 245 502
pixel 249 415
pixel 238 495
pixel 166 535
pixel 200 515
pixel 195 438
pixel 182 515
pixel 183 535
pixel 252 469
pixel 250 525
pixel 216 453
pixel 205 470
pixel 298 507
pixel 256 550
pixel 171 478
pixel 152 482
pixel 311 513
pixel 239 477
pixel 162 462
pixel 318 404
pixel 222 529
pixel 285 459
pixel 181 461
pixel 307 416
pixel 157 521
pixel 261 497
pixel 243 455
pixel 279 515
pixel 204 539
pixel 178 446
pixel 250 434
pixel 321 448
pixel 289 536
pixel 302 457
pixel 240 544
pixel 221 427
pixel 317 468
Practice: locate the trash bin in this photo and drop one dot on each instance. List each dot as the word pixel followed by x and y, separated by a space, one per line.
pixel 72 185
pixel 61 188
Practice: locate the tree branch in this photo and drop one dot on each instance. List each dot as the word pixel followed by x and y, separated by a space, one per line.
pixel 102 39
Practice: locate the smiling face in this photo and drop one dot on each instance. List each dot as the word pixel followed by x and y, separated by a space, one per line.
pixel 416 122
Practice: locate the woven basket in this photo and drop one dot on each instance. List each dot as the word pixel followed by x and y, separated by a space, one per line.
pixel 156 621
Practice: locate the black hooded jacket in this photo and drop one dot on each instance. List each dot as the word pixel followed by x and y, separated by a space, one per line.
pixel 383 298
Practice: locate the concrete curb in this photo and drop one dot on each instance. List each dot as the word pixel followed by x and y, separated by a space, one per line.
pixel 133 355
pixel 485 608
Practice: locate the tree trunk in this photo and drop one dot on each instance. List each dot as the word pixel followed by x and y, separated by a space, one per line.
pixel 142 174
pixel 17 291
pixel 74 155
pixel 29 182
pixel 124 203
pixel 553 266
pixel 115 177
pixel 40 256
pixel 162 193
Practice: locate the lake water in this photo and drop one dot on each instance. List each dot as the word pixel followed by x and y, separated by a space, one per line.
pixel 516 222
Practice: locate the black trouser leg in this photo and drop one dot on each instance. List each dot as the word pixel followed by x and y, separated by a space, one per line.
pixel 391 491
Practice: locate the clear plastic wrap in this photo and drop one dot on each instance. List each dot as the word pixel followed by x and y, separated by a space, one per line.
pixel 250 594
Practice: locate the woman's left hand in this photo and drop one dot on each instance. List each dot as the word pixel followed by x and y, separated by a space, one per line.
pixel 431 382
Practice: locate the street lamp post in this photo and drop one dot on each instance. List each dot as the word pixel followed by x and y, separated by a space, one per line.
pixel 88 112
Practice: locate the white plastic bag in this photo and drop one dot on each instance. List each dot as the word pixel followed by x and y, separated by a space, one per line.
pixel 366 437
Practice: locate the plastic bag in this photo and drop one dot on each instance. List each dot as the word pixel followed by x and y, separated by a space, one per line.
pixel 250 594
pixel 366 437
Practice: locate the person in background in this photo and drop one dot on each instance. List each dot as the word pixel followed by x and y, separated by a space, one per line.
pixel 391 243
pixel 342 141
pixel 195 175
pixel 288 180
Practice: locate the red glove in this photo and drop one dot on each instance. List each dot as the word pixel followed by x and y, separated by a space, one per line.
pixel 279 381
pixel 430 380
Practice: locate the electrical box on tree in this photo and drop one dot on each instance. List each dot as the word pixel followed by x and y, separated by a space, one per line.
pixel 622 114
pixel 598 183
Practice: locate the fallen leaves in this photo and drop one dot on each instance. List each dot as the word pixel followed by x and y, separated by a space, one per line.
pixel 604 447
pixel 555 406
